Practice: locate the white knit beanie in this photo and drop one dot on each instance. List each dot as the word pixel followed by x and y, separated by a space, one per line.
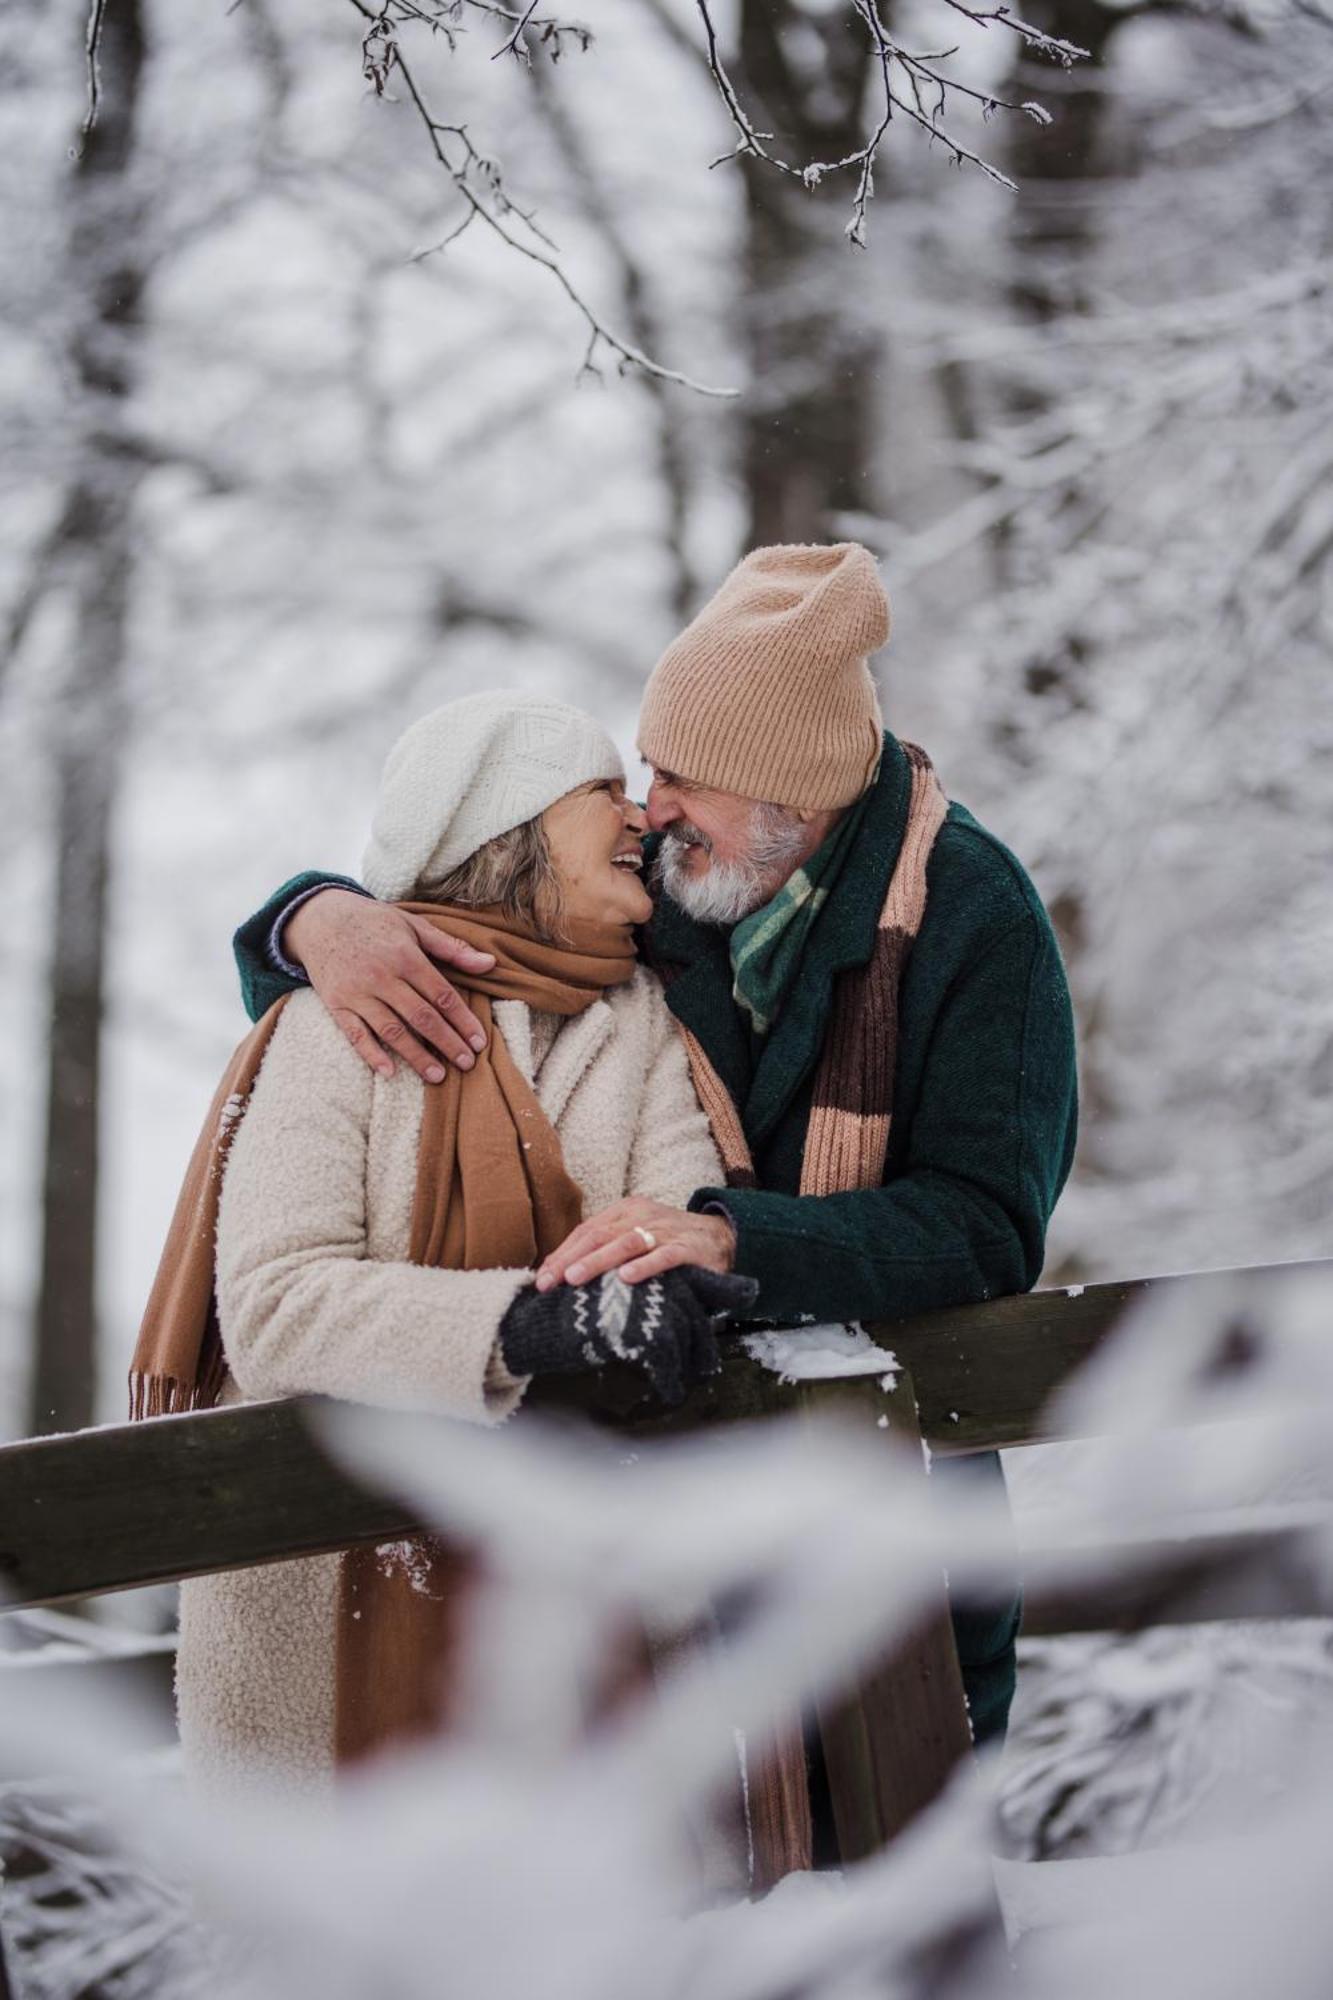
pixel 471 770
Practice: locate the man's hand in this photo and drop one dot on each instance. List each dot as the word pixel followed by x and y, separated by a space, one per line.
pixel 370 966
pixel 613 1240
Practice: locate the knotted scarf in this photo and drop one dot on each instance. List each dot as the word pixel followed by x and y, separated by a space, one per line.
pixel 492 1192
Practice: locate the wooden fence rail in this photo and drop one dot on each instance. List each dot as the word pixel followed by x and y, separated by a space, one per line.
pixel 128 1505
pixel 133 1504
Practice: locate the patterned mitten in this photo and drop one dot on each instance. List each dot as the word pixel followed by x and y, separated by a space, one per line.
pixel 663 1325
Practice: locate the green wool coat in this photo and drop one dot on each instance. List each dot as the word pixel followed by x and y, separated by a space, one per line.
pixel 984 1113
pixel 985 1094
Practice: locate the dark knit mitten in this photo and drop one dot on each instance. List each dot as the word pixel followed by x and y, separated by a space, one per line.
pixel 663 1325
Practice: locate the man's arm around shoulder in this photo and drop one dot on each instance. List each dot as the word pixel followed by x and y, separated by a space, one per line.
pixel 372 964
pixel 265 967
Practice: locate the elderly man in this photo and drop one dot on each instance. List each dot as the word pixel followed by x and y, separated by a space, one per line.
pixel 868 981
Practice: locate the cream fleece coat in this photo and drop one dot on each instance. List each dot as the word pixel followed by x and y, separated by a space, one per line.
pixel 315 1294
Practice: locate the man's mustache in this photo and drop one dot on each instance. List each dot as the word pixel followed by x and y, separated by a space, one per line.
pixel 683 834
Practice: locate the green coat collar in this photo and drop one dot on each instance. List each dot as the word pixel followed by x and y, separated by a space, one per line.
pixel 696 960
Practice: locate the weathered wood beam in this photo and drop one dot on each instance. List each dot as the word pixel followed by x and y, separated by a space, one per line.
pixel 1277 1570
pixel 146 1503
pixel 125 1505
pixel 893 1740
pixel 985 1374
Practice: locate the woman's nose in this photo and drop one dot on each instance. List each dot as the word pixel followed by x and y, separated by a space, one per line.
pixel 634 816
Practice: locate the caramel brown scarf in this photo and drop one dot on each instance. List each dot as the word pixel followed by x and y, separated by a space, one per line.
pixel 492 1192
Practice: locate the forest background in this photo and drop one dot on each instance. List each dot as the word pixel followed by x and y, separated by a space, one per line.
pixel 278 473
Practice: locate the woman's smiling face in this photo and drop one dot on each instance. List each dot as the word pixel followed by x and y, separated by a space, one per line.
pixel 595 837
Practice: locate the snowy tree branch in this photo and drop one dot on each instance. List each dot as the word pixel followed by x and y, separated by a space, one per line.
pixel 92 47
pixel 478 180
pixel 911 84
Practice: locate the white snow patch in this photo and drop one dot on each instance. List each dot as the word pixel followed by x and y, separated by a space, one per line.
pixel 822 1352
pixel 408 1558
pixel 231 1111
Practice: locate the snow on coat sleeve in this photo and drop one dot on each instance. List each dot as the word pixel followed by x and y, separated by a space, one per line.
pixel 304 1307
pixel 673 1151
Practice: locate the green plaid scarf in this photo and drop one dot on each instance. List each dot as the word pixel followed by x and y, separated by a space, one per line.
pixel 766 946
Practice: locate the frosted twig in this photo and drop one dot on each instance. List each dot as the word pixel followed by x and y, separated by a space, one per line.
pixel 452 236
pixel 515 46
pixel 92 44
pixel 922 92
pixel 478 180
pixel 1064 52
pixel 445 18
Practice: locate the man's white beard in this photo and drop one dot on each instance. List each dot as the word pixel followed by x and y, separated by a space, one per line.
pixel 730 890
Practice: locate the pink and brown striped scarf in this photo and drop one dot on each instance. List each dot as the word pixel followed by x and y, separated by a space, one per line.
pixel 846 1146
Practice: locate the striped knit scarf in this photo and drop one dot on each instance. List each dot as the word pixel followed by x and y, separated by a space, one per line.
pixel 766 946
pixel 847 1139
pixel 846 1145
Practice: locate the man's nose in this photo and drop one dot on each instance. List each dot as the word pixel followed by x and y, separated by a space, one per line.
pixel 662 808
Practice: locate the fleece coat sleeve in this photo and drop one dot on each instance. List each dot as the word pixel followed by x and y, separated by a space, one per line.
pixel 965 1217
pixel 304 1305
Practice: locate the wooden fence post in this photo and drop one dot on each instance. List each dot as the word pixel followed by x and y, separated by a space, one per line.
pixel 892 1742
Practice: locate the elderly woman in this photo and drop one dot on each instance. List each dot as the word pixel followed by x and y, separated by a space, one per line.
pixel 376 1239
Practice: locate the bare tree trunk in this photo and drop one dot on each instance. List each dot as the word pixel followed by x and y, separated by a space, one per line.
pixel 1055 220
pixel 91 549
pixel 1054 240
pixel 809 417
pixel 644 326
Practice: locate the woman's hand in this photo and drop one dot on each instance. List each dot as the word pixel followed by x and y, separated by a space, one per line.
pixel 369 964
pixel 614 1240
pixel 666 1327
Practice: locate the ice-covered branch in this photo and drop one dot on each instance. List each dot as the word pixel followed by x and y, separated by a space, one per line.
pixel 1054 46
pixel 911 84
pixel 92 49
pixel 478 180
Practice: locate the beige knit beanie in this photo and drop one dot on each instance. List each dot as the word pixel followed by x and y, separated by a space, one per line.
pixel 767 692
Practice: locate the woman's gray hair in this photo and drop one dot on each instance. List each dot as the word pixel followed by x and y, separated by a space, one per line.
pixel 514 871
